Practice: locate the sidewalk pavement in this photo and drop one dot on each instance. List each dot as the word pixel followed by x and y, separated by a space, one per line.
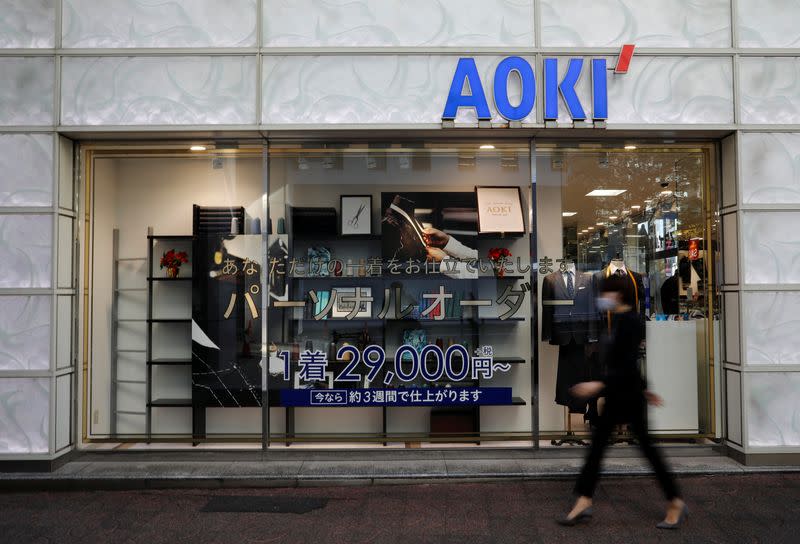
pixel 210 469
pixel 725 509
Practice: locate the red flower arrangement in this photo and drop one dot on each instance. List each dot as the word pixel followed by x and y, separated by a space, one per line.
pixel 498 256
pixel 172 261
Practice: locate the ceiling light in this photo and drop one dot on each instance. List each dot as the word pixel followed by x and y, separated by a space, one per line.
pixel 630 147
pixel 612 217
pixel 590 228
pixel 666 192
pixel 636 207
pixel 601 224
pixel 487 146
pixel 197 148
pixel 606 192
pixel 568 214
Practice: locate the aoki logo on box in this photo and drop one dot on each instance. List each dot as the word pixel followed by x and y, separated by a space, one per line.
pixel 466 76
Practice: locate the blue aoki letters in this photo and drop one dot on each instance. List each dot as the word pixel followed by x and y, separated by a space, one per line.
pixel 466 90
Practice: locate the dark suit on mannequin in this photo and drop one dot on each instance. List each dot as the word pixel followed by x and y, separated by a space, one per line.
pixel 569 320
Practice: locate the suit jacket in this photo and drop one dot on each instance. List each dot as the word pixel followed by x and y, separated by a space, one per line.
pixel 563 322
pixel 634 293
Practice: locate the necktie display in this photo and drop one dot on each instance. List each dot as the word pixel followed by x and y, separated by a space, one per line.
pixel 570 285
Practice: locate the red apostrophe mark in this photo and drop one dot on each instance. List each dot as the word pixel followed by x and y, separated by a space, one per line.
pixel 624 59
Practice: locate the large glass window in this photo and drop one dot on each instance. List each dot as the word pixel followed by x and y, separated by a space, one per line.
pixel 644 213
pixel 400 292
pixel 175 309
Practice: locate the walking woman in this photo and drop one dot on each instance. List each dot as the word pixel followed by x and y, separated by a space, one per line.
pixel 626 398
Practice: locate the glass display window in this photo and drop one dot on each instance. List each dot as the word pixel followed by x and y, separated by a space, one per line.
pixel 400 292
pixel 644 213
pixel 173 314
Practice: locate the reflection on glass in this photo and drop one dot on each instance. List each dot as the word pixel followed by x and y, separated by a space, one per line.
pixel 639 213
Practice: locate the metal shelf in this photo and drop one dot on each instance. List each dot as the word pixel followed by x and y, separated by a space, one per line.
pixel 169 362
pixel 177 237
pixel 170 403
pixel 169 320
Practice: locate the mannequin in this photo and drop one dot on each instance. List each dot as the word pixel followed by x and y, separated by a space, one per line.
pixel 569 320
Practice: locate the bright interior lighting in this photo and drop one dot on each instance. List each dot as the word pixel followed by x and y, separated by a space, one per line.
pixel 487 146
pixel 636 207
pixel 630 147
pixel 197 148
pixel 666 192
pixel 590 228
pixel 606 192
pixel 612 217
pixel 568 214
pixel 600 224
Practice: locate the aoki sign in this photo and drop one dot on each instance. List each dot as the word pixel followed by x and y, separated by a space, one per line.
pixel 467 76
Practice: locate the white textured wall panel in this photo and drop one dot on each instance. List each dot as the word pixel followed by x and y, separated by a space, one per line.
pixel 732 320
pixel 26 91
pixel 28 24
pixel 473 23
pixel 771 247
pixel 773 409
pixel 26 246
pixel 730 248
pixel 63 411
pixel 25 332
pixel 770 168
pixel 158 91
pixel 771 327
pixel 768 23
pixel 770 90
pixel 24 415
pixel 646 23
pixel 157 23
pixel 368 89
pixel 64 306
pixel 733 395
pixel 26 163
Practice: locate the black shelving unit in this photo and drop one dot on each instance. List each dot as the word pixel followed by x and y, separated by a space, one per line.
pixel 152 319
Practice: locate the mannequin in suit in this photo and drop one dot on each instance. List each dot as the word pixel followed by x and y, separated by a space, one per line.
pixel 569 320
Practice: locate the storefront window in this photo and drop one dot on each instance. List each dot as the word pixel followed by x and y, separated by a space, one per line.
pixel 175 305
pixel 386 293
pixel 646 214
pixel 400 292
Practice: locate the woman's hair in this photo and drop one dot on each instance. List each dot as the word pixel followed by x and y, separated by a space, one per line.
pixel 621 285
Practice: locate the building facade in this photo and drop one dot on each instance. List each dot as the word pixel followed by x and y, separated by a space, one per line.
pixel 115 115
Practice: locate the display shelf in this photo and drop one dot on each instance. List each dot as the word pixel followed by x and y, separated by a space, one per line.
pixel 510 360
pixel 336 238
pixel 164 320
pixel 170 362
pixel 500 235
pixel 170 403
pixel 175 237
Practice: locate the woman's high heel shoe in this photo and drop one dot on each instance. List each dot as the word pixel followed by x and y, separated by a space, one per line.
pixel 684 515
pixel 583 515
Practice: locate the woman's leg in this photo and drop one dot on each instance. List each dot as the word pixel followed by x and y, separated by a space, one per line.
pixel 665 479
pixel 587 481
